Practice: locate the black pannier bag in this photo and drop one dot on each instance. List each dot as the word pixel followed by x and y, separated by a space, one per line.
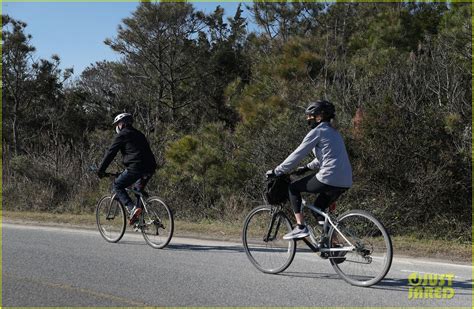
pixel 277 190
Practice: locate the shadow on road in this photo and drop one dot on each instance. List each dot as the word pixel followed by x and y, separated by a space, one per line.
pixel 187 247
pixel 133 243
pixel 236 248
pixel 309 275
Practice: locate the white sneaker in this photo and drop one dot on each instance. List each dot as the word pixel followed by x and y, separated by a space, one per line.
pixel 297 233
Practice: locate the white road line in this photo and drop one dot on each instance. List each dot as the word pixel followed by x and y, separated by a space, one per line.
pixel 413 261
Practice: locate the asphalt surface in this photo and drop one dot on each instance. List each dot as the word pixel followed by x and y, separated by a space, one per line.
pixel 45 266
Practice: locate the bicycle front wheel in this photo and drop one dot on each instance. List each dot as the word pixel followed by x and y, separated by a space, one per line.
pixel 157 223
pixel 370 259
pixel 263 241
pixel 111 219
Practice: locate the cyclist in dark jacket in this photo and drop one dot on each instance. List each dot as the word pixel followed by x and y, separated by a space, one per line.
pixel 137 157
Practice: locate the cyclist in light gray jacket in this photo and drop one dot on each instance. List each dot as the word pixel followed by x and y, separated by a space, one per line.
pixel 334 172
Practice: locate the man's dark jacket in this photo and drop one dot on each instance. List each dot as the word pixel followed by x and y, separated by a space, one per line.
pixel 136 152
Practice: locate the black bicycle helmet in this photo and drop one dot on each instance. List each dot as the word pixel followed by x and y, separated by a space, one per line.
pixel 321 107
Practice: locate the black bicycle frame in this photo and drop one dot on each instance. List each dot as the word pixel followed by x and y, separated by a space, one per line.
pixel 267 237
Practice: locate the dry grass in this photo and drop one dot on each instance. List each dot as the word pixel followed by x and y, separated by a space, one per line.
pixel 406 246
pixel 433 248
pixel 201 229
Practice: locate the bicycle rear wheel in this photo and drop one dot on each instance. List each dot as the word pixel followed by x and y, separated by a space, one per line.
pixel 263 241
pixel 157 223
pixel 370 260
pixel 111 219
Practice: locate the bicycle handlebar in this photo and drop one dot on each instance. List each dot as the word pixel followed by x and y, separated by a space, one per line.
pixel 295 172
pixel 94 169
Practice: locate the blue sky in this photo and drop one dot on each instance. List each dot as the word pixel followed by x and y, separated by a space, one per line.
pixel 76 31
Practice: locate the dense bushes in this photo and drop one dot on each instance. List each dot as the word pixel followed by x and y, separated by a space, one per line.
pixel 204 170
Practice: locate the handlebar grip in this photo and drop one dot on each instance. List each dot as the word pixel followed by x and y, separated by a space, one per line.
pixel 95 169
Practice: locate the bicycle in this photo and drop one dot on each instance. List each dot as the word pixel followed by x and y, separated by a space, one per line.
pixel 155 222
pixel 357 245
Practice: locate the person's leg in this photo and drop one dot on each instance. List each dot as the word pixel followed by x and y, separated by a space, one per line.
pixel 141 183
pixel 305 184
pixel 123 181
pixel 310 184
pixel 328 195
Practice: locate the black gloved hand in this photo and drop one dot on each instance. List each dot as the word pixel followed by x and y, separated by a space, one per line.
pixel 270 174
pixel 101 174
pixel 301 170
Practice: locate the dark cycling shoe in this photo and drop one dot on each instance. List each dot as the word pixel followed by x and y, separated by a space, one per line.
pixel 134 214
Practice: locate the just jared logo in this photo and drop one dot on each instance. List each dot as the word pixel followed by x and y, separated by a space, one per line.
pixel 422 286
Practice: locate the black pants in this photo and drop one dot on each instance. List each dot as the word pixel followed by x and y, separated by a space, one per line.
pixel 128 178
pixel 327 194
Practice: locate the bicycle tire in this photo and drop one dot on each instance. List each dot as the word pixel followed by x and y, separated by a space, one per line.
pixel 157 223
pixel 371 259
pixel 110 219
pixel 272 256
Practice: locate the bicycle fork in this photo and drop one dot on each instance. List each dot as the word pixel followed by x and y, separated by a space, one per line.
pixel 112 210
pixel 268 236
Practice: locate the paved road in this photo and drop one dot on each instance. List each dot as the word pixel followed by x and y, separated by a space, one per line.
pixel 65 267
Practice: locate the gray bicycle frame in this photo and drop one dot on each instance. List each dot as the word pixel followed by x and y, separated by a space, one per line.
pixel 327 220
pixel 142 200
